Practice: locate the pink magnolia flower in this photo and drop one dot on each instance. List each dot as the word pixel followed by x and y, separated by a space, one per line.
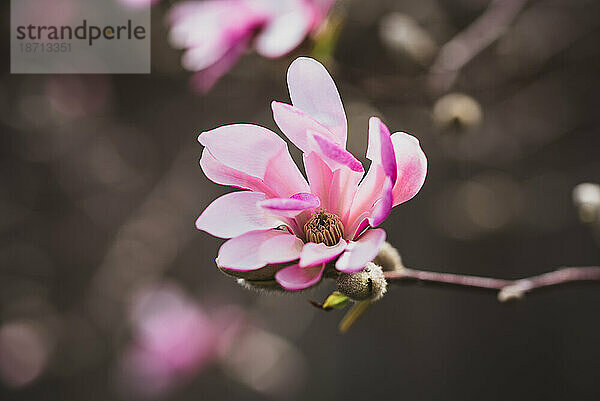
pixel 217 32
pixel 279 217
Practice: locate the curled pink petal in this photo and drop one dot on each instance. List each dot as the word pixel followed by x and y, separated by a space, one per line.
pixel 382 208
pixel 368 192
pixel 337 155
pixel 316 254
pixel 313 91
pixel 296 124
pixel 296 202
pixel 381 149
pixel 221 174
pixel 412 167
pixel 373 194
pixel 236 213
pixel 291 207
pixel 361 252
pixel 361 226
pixel 256 249
pixel 307 197
pixel 295 278
pixel 236 145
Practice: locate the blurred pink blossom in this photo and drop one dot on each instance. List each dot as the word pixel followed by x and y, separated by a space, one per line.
pixel 77 96
pixel 25 349
pixel 282 218
pixel 173 339
pixel 215 33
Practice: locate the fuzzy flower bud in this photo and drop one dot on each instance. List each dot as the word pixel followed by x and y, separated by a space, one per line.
pixel 388 258
pixel 403 35
pixel 457 112
pixel 586 197
pixel 369 284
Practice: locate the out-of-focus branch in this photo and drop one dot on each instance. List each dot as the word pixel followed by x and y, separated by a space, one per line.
pixel 508 289
pixel 463 47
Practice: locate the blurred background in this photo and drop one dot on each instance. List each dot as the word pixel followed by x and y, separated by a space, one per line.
pixel 108 292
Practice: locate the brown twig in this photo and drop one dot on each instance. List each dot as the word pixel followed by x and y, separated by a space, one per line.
pixel 507 289
pixel 467 44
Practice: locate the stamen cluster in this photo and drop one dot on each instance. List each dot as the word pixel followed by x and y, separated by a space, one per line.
pixel 324 227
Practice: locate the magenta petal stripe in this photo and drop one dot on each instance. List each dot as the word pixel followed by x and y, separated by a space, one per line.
pixel 412 167
pixel 333 152
pixel 380 149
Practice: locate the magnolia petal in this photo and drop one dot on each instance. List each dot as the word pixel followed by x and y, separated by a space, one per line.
pixel 236 213
pixel 296 124
pixel 367 194
pixel 316 254
pixel 245 147
pixel 203 56
pixel 209 29
pixel 256 249
pixel 221 174
pixel 300 201
pixel 263 276
pixel 313 91
pixel 380 149
pixel 343 187
pixel 412 167
pixel 283 176
pixel 283 34
pixel 382 208
pixel 194 23
pixel 306 197
pixel 361 252
pixel 204 80
pixel 332 153
pixel 295 278
pixel 319 176
pixel 374 194
pixel 257 152
pixel 290 207
pixel 361 226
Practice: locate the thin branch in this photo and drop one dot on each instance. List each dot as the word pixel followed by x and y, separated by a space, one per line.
pixel 467 44
pixel 507 289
